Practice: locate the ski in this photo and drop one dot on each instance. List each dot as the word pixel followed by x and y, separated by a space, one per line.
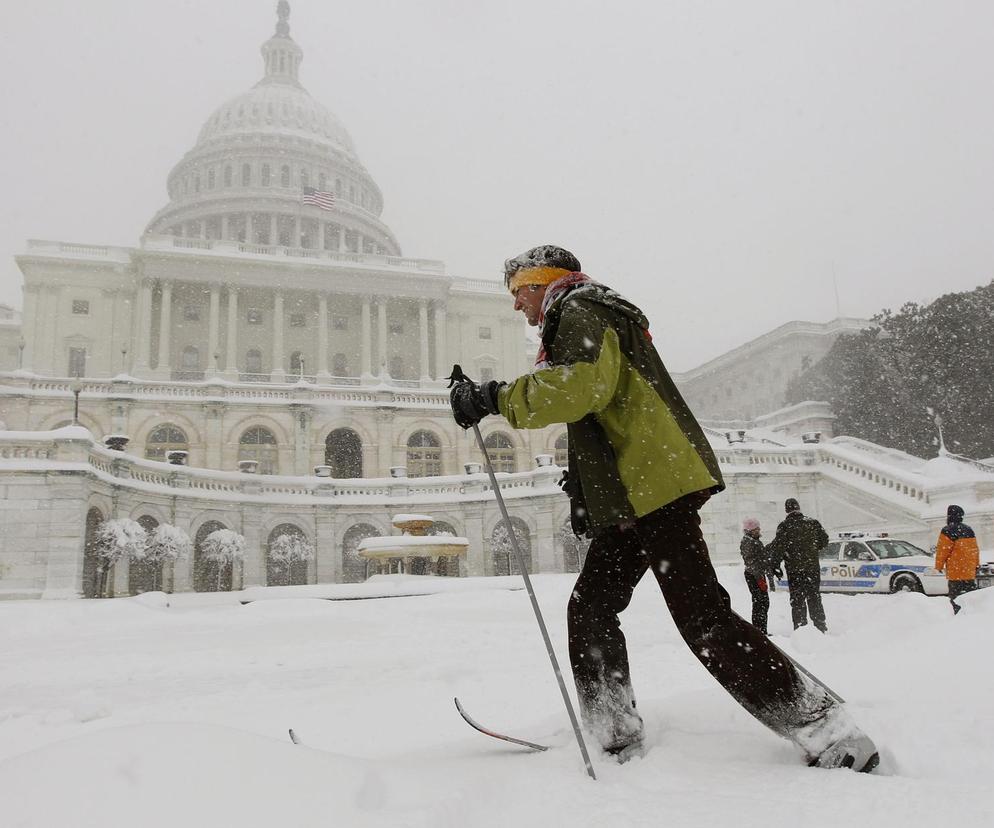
pixel 477 726
pixel 294 737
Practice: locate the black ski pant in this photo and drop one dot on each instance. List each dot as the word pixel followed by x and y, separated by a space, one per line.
pixel 745 662
pixel 957 588
pixel 760 600
pixel 805 598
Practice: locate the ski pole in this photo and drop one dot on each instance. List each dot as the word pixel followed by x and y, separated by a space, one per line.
pixel 458 376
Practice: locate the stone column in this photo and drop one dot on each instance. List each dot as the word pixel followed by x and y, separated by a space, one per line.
pixel 423 336
pixel 274 229
pixel 165 329
pixel 326 554
pixel 475 564
pixel 296 241
pixel 544 551
pixel 322 226
pixel 279 372
pixel 224 226
pixel 143 328
pixel 231 360
pixel 323 336
pixel 202 229
pixel 441 363
pixel 254 565
pixel 29 326
pixel 302 440
pixel 341 238
pixel 214 455
pixel 214 329
pixel 366 345
pixel 384 442
pixel 381 332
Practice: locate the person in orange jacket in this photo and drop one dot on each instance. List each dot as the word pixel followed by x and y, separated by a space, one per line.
pixel 958 554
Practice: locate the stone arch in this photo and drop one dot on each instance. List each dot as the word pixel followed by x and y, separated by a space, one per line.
pixel 354 568
pixel 343 452
pixel 279 431
pixel 445 566
pixel 205 572
pixel 277 574
pixel 560 450
pixel 141 434
pixel 574 548
pixel 92 586
pixel 501 551
pixel 59 419
pixel 259 443
pixel 144 576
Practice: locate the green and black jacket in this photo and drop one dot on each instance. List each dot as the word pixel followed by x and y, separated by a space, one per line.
pixel 634 445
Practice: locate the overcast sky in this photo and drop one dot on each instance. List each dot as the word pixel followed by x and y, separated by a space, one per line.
pixel 721 163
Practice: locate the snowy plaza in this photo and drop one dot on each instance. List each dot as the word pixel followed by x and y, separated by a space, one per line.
pixel 126 712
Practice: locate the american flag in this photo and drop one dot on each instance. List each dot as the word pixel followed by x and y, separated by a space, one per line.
pixel 319 198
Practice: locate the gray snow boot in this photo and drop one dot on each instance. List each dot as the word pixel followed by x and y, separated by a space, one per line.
pixel 855 751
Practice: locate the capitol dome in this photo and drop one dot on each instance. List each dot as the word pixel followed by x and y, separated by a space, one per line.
pixel 256 157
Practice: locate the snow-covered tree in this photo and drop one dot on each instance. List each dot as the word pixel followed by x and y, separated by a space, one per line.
pixel 502 549
pixel 223 547
pixel 289 549
pixel 116 539
pixel 166 544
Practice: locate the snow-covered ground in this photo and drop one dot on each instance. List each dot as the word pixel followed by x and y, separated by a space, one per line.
pixel 131 712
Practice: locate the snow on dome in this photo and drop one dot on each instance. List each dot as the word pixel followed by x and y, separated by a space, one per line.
pixel 277 109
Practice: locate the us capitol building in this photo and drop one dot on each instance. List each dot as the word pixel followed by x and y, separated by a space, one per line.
pixel 271 366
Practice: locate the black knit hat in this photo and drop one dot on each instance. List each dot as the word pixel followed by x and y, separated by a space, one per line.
pixel 545 255
pixel 954 513
pixel 791 505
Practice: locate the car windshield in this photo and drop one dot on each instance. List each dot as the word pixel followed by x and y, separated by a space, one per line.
pixel 894 548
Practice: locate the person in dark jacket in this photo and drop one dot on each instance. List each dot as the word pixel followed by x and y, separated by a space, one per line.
pixel 797 543
pixel 958 554
pixel 758 571
pixel 640 469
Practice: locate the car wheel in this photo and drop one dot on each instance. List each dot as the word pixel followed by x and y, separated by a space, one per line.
pixel 905 583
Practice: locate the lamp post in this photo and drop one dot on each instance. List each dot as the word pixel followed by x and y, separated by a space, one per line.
pixel 20 353
pixel 301 368
pixel 942 443
pixel 124 358
pixel 77 387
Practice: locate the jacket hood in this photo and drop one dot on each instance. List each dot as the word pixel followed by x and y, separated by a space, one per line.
pixel 602 295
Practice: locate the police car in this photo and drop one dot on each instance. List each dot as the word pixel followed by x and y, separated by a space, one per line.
pixel 856 562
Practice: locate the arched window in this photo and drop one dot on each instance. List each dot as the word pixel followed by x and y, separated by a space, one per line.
pixel 205 573
pixel 501 451
pixel 253 362
pixel 196 183
pixel 562 451
pixel 285 175
pixel 227 175
pixel 424 455
pixel 259 444
pixel 504 560
pixel 449 565
pixel 210 179
pixel 145 576
pixel 340 365
pixel 287 553
pixel 246 175
pixel 163 439
pixel 92 576
pixel 343 452
pixel 267 175
pixel 354 566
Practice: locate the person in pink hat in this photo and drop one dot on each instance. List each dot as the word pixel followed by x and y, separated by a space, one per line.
pixel 758 572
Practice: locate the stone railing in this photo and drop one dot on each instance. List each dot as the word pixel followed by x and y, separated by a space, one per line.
pixel 71 250
pixel 231 247
pixel 332 390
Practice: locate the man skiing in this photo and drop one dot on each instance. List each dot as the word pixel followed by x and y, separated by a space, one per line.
pixel 640 468
pixel 797 543
pixel 958 554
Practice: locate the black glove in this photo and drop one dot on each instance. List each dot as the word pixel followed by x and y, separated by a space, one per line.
pixel 471 402
pixel 778 572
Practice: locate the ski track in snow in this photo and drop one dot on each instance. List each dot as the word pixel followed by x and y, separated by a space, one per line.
pixel 124 712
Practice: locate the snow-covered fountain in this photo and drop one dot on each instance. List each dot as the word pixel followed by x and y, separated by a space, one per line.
pixel 413 551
